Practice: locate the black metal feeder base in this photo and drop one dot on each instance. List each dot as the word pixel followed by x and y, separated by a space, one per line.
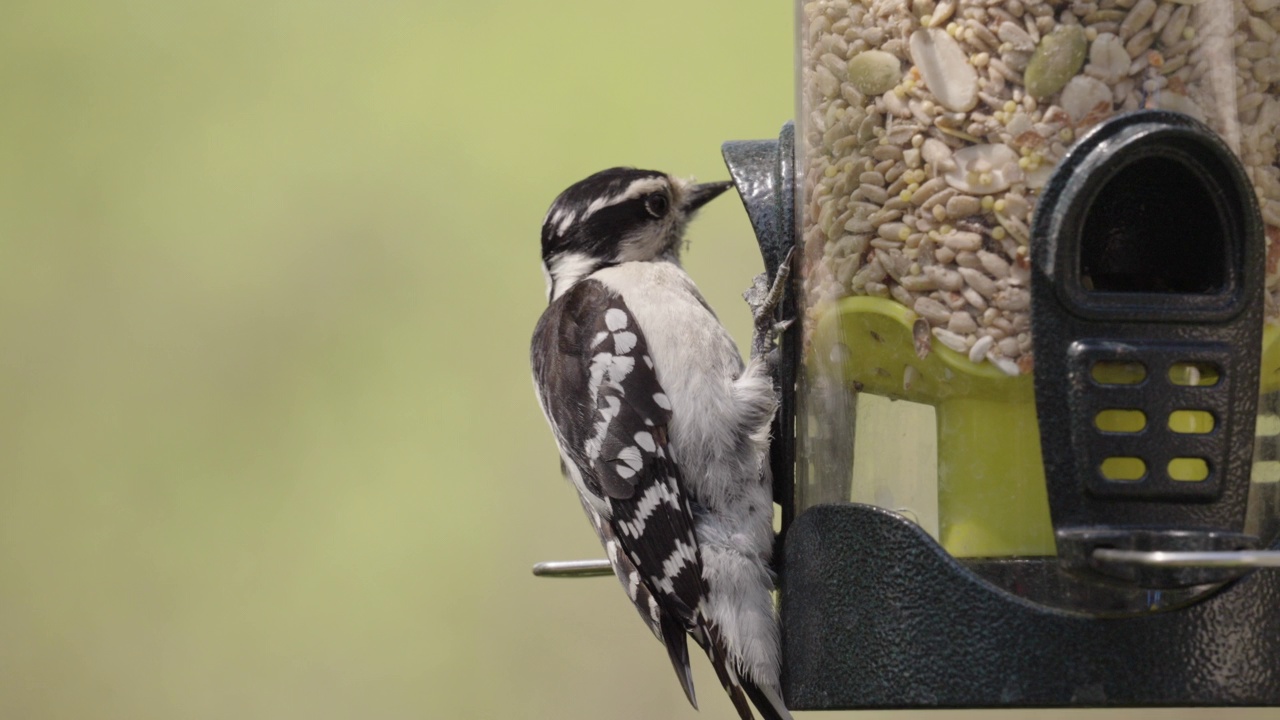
pixel 878 615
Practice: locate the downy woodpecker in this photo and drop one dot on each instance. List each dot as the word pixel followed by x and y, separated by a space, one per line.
pixel 661 428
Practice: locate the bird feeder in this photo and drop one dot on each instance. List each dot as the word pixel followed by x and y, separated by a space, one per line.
pixel 1027 453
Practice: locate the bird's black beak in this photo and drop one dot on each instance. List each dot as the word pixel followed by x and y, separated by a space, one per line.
pixel 695 196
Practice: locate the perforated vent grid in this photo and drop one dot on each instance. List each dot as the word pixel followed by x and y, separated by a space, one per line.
pixel 1149 418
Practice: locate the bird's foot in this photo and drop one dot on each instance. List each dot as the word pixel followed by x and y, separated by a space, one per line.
pixel 764 300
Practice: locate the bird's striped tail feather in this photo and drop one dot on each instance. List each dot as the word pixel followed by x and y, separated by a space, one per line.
pixel 766 700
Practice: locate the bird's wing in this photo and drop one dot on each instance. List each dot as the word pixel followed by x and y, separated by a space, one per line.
pixel 601 394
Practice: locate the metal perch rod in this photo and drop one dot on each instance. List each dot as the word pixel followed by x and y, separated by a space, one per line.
pixel 1239 558
pixel 573 568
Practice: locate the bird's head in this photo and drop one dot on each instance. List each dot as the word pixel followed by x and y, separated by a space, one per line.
pixel 615 216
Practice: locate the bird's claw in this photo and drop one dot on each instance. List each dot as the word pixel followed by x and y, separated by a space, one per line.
pixel 764 300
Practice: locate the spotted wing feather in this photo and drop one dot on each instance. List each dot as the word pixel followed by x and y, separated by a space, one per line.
pixel 602 397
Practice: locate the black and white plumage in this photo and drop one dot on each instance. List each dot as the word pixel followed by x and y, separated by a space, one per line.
pixel 660 426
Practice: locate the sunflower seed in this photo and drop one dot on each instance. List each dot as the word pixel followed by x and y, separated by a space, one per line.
pixel 985 286
pixel 962 323
pixel 1007 366
pixel 1137 18
pixel 980 347
pixel 933 311
pixel 951 340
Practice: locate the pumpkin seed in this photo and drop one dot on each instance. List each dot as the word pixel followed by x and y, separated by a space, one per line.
pixel 1057 59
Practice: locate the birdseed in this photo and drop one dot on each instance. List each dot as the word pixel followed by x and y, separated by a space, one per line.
pixel 929 127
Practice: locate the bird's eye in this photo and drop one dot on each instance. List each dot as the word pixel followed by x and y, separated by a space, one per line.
pixel 656 204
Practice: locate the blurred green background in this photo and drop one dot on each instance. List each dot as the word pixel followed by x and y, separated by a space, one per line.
pixel 268 270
